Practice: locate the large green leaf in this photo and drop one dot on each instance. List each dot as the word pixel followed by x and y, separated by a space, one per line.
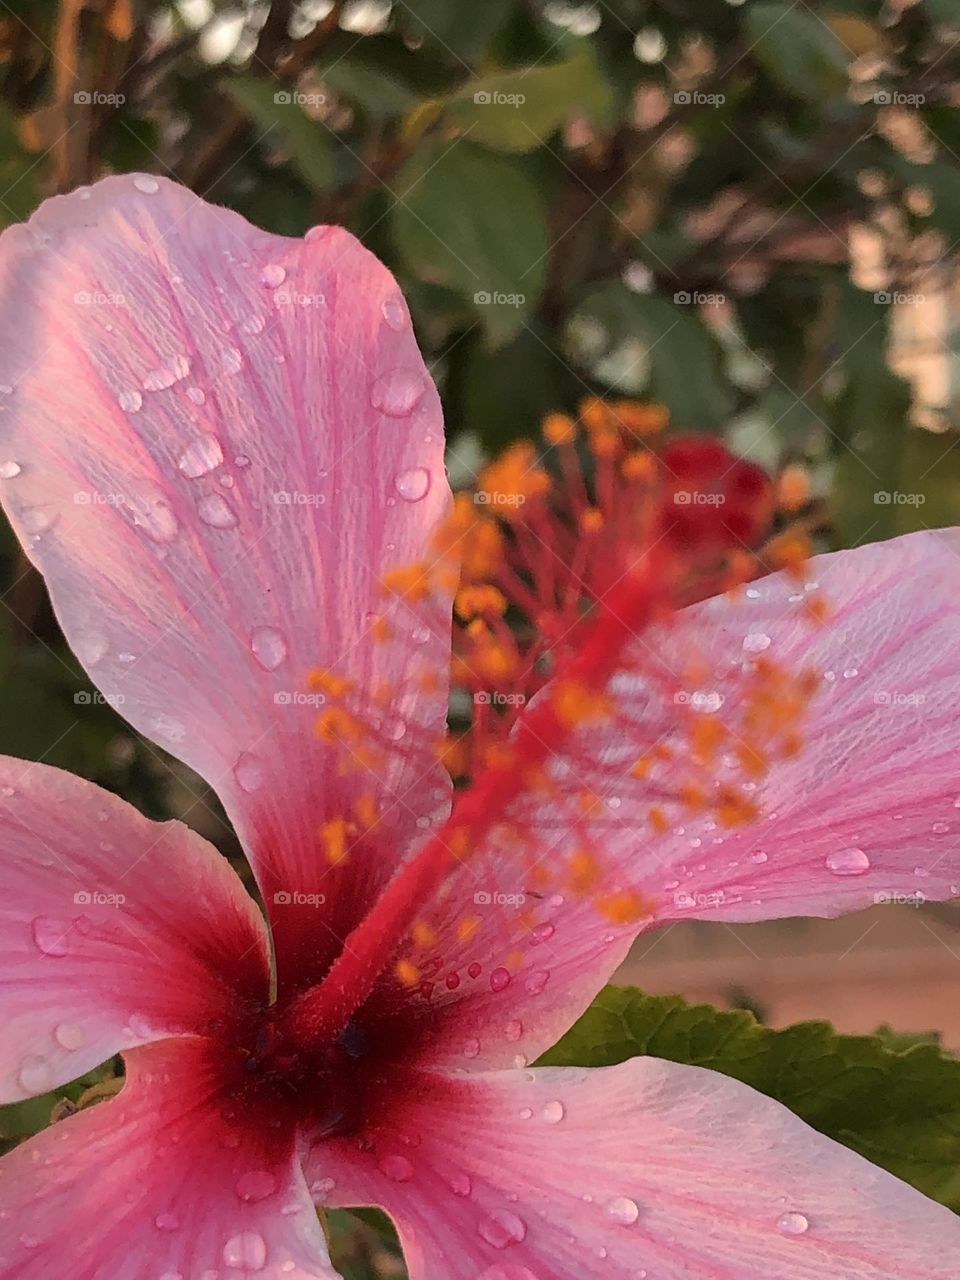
pixel 20 174
pixel 638 342
pixel 519 110
pixel 476 223
pixel 899 1109
pixel 279 112
pixel 796 49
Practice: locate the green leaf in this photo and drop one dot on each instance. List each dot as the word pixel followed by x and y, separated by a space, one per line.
pixel 519 110
pixel 19 174
pixel 796 49
pixel 637 342
pixel 475 223
pixel 279 113
pixel 899 1109
pixel 380 74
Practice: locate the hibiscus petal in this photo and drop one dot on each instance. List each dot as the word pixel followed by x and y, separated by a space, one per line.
pixel 867 812
pixel 114 930
pixel 214 442
pixel 157 1183
pixel 647 1168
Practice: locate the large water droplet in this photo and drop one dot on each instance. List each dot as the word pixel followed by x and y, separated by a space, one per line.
pixel 269 647
pixel 50 936
pixel 130 401
pixel 513 1031
pixel 90 647
pixel 152 514
pixel 8 470
pixel 248 771
pixel 215 510
pixel 231 360
pixel 143 182
pixel 38 520
pixel 394 312
pixel 272 275
pixel 623 1210
pixel 500 979
pixel 256 1185
pixel 197 395
pixel 70 1036
pixel 471 1049
pixel 847 862
pixel 35 1075
pixel 166 1222
pixel 201 456
pixel 247 1250
pixel 502 1228
pixel 536 981
pixel 167 727
pixel 398 392
pixel 552 1112
pixel 395 1167
pixel 414 484
pixel 756 642
pixel 793 1224
pixel 542 933
pixel 460 1184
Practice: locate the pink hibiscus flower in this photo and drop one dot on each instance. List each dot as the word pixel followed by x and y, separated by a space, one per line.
pixel 215 442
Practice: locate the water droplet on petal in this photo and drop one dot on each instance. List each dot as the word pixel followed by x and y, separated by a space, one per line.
pixel 513 1030
pixel 90 647
pixel 143 182
pixel 8 470
pixel 130 401
pixel 758 857
pixel 70 1036
pixel 231 360
pixel 500 979
pixel 471 1049
pixel 272 275
pixel 215 511
pixel 38 520
pixel 253 325
pixel 322 1187
pixel 475 969
pixel 152 514
pixel 167 727
pixel 623 1210
pixel 248 772
pixel 197 395
pixel 542 933
pixel 269 647
pixel 536 981
pixel 395 1167
pixel 940 828
pixel 241 461
pixel 35 1075
pixel 502 1228
pixel 792 1224
pixel 256 1185
pixel 50 936
pixel 552 1112
pixel 460 1185
pixel 166 1222
pixel 756 642
pixel 526 1114
pixel 398 392
pixel 847 862
pixel 414 484
pixel 245 1251
pixel 394 312
pixel 201 456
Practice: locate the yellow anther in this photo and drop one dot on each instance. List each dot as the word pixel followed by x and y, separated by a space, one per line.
pixel 583 871
pixel 452 754
pixel 639 465
pixel 334 725
pixel 658 820
pixel 333 836
pixel 410 582
pixel 793 488
pixel 422 934
pixel 467 928
pixel 591 521
pixel 367 811
pixel 458 842
pixel 752 761
pixel 407 972
pixel 641 768
pixel 623 906
pixel 576 703
pixel 706 735
pixel 594 414
pixel 499 756
pixel 321 681
pixel 473 601
pixel 818 609
pixel 559 428
pixel 692 795
pixel 512 480
pixel 640 419
pixel 734 810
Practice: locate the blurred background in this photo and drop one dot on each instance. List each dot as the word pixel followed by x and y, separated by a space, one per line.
pixel 746 211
